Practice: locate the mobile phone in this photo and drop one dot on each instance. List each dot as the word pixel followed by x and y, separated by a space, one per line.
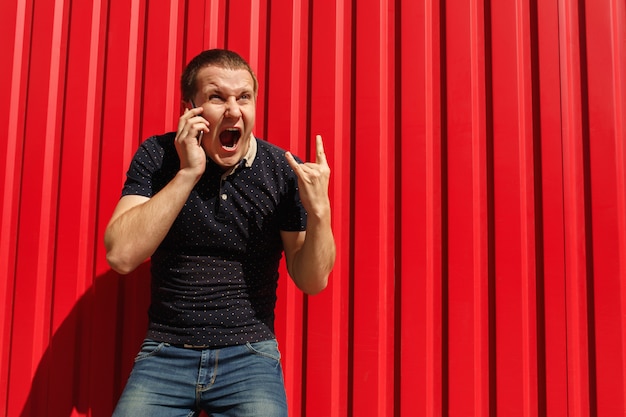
pixel 202 131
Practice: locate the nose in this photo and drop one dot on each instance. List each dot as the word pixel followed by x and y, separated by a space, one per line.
pixel 232 108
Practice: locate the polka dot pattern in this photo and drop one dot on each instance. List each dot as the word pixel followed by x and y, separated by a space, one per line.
pixel 215 274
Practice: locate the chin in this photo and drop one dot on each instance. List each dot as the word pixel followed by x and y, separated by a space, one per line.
pixel 227 161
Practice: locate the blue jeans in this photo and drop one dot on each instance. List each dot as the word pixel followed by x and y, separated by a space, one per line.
pixel 166 380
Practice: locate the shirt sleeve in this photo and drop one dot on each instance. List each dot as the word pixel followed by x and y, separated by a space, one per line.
pixel 140 175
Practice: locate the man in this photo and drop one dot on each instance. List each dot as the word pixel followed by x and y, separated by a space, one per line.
pixel 214 208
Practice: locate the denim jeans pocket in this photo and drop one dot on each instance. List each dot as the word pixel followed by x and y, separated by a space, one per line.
pixel 266 348
pixel 148 348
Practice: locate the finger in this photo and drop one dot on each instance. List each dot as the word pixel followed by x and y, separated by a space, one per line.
pixel 320 156
pixel 193 112
pixel 187 115
pixel 182 120
pixel 292 162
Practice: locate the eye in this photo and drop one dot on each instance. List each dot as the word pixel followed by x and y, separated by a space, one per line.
pixel 244 97
pixel 215 98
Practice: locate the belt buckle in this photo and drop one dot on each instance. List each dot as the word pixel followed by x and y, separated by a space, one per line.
pixel 188 346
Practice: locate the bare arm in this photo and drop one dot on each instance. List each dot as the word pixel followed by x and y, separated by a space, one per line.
pixel 310 255
pixel 139 224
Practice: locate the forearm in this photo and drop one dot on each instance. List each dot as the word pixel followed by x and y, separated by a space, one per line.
pixel 134 233
pixel 315 259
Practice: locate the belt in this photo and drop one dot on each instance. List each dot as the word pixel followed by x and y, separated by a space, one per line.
pixel 188 346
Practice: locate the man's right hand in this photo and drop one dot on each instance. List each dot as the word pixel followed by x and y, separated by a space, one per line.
pixel 191 126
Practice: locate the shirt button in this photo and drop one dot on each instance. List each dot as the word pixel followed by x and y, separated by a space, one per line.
pixel 224 196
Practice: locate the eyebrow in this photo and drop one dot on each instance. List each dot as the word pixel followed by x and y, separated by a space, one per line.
pixel 220 90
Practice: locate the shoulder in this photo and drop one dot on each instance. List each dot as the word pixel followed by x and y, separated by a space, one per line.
pixel 269 148
pixel 271 169
pixel 270 159
pixel 163 142
pixel 272 151
pixel 157 149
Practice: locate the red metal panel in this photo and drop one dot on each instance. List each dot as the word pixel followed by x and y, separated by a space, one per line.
pixel 374 162
pixel 514 210
pixel 15 30
pixel 160 96
pixel 552 382
pixel 74 250
pixel 576 249
pixel 420 249
pixel 110 311
pixel 286 127
pixel 32 297
pixel 606 163
pixel 469 279
pixel 478 188
pixel 326 349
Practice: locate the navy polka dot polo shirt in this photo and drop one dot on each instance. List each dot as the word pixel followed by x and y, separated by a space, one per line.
pixel 215 274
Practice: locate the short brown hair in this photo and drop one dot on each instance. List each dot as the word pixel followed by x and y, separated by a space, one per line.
pixel 222 58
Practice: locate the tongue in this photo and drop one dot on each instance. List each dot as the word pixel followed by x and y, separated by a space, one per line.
pixel 228 138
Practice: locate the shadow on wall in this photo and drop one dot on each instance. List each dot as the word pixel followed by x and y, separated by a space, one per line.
pixel 90 356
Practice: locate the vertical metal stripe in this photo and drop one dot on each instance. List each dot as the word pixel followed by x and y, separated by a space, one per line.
pixel 297 146
pixel 11 165
pixel 172 74
pixel 255 33
pixel 45 250
pixel 526 168
pixel 92 137
pixel 433 397
pixel 341 228
pixel 618 22
pixel 15 131
pixel 132 83
pixel 574 215
pixel 464 194
pixel 386 205
pixel 371 245
pixel 552 288
pixel 213 24
pixel 479 209
pixel 11 197
pixel 618 55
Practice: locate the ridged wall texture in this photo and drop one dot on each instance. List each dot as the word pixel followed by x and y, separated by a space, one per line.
pixel 478 157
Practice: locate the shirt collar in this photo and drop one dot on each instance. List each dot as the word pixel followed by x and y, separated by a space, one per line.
pixel 248 158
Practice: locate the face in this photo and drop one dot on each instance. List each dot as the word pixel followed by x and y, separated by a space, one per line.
pixel 229 102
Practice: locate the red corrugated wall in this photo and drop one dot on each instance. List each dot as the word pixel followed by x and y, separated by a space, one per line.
pixel 478 156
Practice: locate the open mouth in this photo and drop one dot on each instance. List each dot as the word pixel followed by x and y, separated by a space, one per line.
pixel 229 138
